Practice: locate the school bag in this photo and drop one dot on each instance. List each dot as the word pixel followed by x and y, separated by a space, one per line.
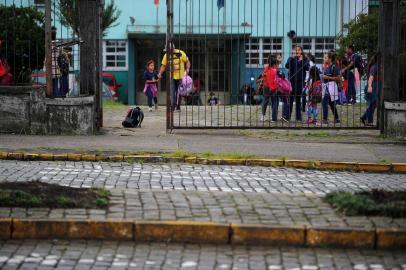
pixel 282 83
pixel 316 92
pixel 185 87
pixel 134 118
pixel 3 69
pixel 359 65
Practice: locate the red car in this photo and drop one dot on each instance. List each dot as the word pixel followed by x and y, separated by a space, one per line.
pixel 110 80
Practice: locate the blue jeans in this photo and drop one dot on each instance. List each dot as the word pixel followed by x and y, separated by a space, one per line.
pixel 274 103
pixel 369 113
pixel 64 85
pixel 174 95
pixel 351 92
pixel 285 106
pixel 326 103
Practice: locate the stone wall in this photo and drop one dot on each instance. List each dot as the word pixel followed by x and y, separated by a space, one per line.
pixel 26 110
pixel 395 119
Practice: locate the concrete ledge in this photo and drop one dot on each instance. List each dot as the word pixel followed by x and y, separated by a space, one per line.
pixel 303 164
pixel 341 237
pixel 182 231
pixel 267 235
pixel 70 229
pixel 391 238
pixel 5 228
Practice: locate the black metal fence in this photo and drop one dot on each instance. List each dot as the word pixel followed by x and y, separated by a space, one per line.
pixel 228 45
pixel 41 45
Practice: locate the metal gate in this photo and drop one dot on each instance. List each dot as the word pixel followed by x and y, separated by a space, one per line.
pixel 225 46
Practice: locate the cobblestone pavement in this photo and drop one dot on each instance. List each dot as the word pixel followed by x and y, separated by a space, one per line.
pixel 196 177
pixel 221 207
pixel 224 194
pixel 46 254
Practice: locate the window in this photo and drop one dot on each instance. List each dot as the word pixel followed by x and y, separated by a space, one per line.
pixel 258 49
pixel 316 46
pixel 115 55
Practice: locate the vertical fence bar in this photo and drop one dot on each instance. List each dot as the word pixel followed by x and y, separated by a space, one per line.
pixel 48 51
pixel 169 32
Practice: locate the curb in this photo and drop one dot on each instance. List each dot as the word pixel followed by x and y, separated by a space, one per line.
pixel 300 164
pixel 202 233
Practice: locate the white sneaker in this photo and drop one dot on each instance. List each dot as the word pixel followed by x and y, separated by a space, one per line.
pixel 262 118
pixel 150 109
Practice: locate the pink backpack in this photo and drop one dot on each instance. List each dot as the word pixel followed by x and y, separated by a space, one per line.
pixel 186 86
pixel 282 84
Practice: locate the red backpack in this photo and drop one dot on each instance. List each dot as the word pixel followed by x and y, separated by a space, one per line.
pixel 316 92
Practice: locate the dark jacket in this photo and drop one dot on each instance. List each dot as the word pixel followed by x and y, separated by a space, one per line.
pixel 297 69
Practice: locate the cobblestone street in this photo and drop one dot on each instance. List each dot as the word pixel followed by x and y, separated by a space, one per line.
pixel 126 255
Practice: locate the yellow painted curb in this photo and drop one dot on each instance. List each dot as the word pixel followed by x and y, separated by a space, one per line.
pixel 89 158
pixel 302 164
pixel 265 162
pixel 233 162
pixel 3 155
pixel 174 159
pixel 74 157
pixel 101 158
pixel 5 228
pixel 15 156
pixel 373 167
pixel 391 238
pixel 201 161
pixel 190 160
pixel 182 231
pixel 267 235
pixel 116 158
pixel 399 167
pixel 31 156
pixel 60 157
pixel 46 157
pixel 343 237
pixel 70 229
pixel 337 166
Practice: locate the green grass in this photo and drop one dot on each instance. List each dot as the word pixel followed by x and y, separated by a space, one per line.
pixel 319 134
pixel 372 203
pixel 110 104
pixel 19 198
pixel 102 202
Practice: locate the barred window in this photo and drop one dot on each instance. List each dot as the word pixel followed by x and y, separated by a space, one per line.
pixel 258 49
pixel 316 46
pixel 115 55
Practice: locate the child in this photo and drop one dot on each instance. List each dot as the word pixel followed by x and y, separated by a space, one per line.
pixel 151 80
pixel 331 74
pixel 314 95
pixel 270 89
pixel 350 78
pixel 213 100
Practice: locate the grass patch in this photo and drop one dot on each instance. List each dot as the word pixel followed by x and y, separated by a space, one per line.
pixel 319 134
pixel 111 104
pixel 369 203
pixel 179 154
pixel 210 155
pixel 37 194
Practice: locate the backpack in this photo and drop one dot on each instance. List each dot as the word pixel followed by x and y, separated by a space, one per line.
pixel 134 118
pixel 186 86
pixel 316 92
pixel 282 84
pixel 3 70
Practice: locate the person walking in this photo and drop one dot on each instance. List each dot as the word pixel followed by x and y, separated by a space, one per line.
pixel 354 62
pixel 180 68
pixel 150 88
pixel 297 66
pixel 270 89
pixel 371 92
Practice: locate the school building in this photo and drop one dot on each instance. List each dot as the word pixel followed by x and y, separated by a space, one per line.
pixel 227 46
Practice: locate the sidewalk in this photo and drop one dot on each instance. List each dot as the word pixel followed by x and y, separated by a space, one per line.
pixel 342 145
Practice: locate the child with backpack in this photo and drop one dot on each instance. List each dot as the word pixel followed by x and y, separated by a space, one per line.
pixel 315 91
pixel 270 89
pixel 151 79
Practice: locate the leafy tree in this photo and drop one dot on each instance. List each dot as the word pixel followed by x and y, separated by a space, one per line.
pixel 23 35
pixel 68 12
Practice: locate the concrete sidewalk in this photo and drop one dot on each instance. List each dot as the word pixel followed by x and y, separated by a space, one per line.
pixel 325 145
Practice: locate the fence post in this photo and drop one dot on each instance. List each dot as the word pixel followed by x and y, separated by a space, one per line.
pixel 90 66
pixel 169 32
pixel 48 50
pixel 389 36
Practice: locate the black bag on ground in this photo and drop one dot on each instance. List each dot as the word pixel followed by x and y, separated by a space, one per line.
pixel 134 118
